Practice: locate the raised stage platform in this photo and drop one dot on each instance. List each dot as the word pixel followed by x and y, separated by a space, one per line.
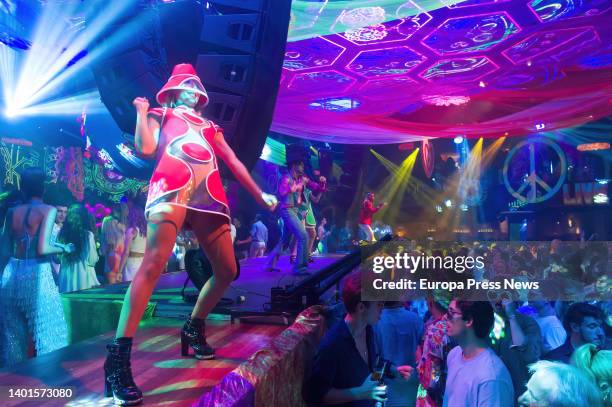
pixel 251 359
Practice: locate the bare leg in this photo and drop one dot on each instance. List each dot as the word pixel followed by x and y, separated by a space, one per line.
pixel 113 262
pixel 213 233
pixel 312 233
pixel 162 229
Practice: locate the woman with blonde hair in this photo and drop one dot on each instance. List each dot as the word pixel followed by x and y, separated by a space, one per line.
pixel 597 364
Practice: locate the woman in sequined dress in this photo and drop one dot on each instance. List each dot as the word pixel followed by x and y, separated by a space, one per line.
pixel 30 302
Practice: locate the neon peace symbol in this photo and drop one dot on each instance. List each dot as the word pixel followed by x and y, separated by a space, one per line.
pixel 535 185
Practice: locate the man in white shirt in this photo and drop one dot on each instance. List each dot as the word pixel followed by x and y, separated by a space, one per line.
pixel 476 376
pixel 553 332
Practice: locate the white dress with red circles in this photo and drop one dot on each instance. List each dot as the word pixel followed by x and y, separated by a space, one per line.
pixel 186 172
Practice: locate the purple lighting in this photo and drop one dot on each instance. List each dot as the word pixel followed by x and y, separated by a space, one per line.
pixel 491 65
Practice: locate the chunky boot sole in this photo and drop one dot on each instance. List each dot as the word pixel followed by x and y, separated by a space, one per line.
pixel 185 349
pixel 108 392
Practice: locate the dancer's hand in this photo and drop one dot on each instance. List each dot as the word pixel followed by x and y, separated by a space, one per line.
pixel 270 200
pixel 141 104
pixel 322 179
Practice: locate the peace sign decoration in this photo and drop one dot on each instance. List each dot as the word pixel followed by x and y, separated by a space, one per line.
pixel 535 170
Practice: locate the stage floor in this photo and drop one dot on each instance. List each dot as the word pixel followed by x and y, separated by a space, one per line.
pixel 163 375
pixel 253 284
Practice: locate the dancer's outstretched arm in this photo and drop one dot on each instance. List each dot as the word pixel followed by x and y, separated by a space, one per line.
pixel 225 152
pixel 147 129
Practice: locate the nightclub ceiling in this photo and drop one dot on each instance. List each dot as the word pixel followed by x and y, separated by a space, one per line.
pixel 374 72
pixel 393 71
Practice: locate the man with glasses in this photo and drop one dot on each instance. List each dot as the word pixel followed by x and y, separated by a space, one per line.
pixel 476 376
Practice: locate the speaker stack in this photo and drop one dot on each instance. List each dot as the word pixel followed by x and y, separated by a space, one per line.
pixel 237 47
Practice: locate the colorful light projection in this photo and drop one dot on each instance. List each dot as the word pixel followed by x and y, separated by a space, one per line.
pixel 482 68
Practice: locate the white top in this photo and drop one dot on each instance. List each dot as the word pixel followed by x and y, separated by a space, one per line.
pixel 233 232
pixel 139 243
pixel 482 381
pixel 553 333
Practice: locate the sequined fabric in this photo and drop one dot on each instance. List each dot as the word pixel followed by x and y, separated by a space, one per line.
pixel 273 376
pixel 30 307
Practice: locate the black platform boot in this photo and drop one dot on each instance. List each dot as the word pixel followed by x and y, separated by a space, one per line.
pixel 193 335
pixel 118 380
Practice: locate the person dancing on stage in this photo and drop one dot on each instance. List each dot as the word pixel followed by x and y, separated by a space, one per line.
pixel 310 223
pixel 365 216
pixel 185 189
pixel 291 191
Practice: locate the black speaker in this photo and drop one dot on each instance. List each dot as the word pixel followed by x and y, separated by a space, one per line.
pixel 237 47
pixel 240 63
pixel 199 269
pixel 326 161
pixel 297 152
pixel 136 67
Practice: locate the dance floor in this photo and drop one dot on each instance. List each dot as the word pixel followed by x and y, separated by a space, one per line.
pixel 165 377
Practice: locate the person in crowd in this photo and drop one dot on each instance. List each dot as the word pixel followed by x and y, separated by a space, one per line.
pixel 368 209
pixel 30 302
pixel 520 342
pixel 8 199
pixel 179 251
pixel 322 235
pixel 476 376
pixel 113 243
pixel 233 230
pixel 60 218
pixel 552 330
pixel 77 271
pixel 433 352
pixel 240 236
pixel 291 190
pixel 135 241
pixel 555 384
pixel 258 238
pixel 584 323
pixel 345 236
pixel 185 190
pixel 310 223
pixel 342 369
pixel 397 336
pixel 597 364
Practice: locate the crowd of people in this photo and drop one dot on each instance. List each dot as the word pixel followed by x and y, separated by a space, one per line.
pixel 463 353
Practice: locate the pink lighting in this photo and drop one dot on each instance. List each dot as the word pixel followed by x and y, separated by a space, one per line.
pixel 403 71
pixel 440 100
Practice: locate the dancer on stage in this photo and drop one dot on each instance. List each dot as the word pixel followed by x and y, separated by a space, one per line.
pixel 291 191
pixel 365 216
pixel 310 223
pixel 185 189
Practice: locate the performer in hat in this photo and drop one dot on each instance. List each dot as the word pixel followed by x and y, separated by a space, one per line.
pixel 291 190
pixel 185 190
